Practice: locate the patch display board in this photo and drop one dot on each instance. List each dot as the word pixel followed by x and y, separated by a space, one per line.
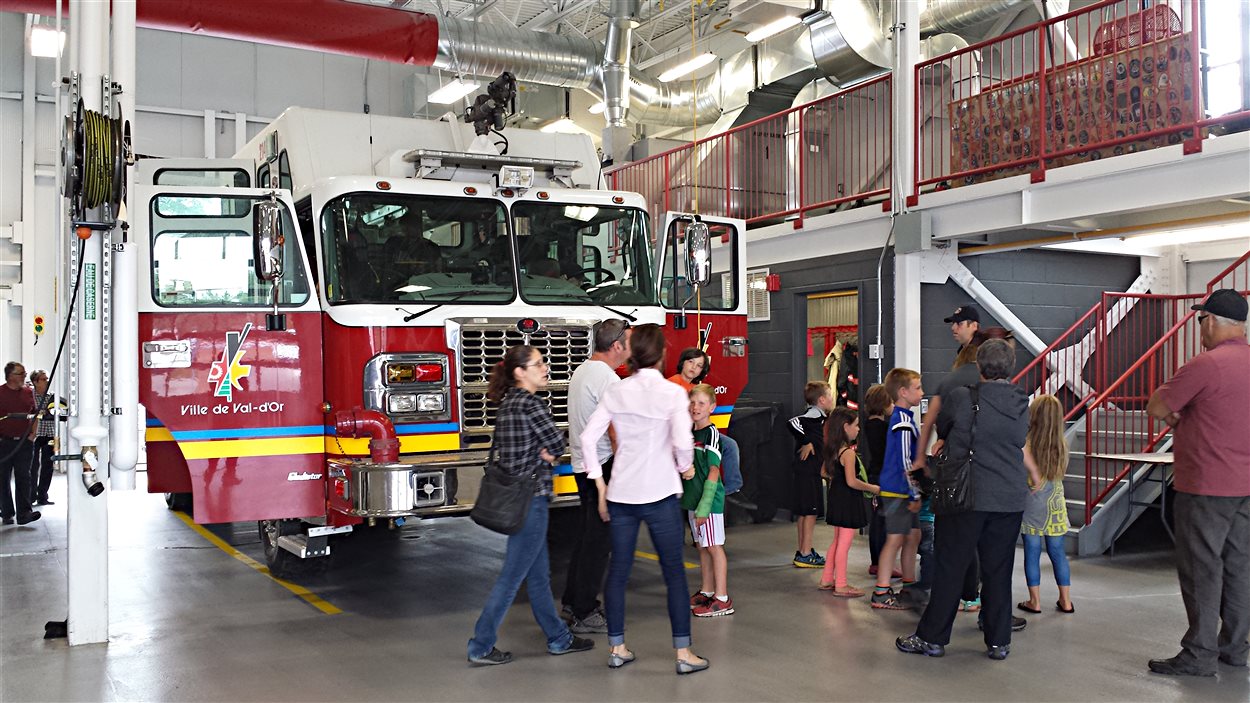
pixel 1136 91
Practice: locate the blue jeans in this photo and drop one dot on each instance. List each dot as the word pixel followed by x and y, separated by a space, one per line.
pixel 1033 560
pixel 927 565
pixel 666 524
pixel 526 560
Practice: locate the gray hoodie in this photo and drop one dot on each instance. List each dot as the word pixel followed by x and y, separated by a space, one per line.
pixel 999 480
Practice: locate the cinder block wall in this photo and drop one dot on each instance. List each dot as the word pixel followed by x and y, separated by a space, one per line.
pixel 1047 290
pixel 777 347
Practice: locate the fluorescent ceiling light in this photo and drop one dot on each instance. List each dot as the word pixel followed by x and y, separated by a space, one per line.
pixel 688 67
pixel 597 108
pixel 456 90
pixel 772 28
pixel 46 42
pixel 1154 240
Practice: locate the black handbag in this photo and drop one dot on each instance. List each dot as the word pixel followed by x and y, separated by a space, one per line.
pixel 952 492
pixel 503 501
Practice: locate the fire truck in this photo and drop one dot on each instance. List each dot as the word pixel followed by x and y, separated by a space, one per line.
pixel 322 312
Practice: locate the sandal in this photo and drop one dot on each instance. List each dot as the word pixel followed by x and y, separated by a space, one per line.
pixel 1059 606
pixel 825 587
pixel 970 606
pixel 1024 605
pixel 848 592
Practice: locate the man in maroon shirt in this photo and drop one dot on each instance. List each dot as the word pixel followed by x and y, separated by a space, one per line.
pixel 1207 403
pixel 16 438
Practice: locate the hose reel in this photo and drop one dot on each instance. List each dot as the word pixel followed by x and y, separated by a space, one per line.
pixel 96 150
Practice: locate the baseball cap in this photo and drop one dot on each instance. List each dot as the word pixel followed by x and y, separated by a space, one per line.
pixel 1224 302
pixel 965 313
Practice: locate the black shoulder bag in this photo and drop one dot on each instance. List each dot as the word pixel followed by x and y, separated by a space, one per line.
pixel 952 477
pixel 503 501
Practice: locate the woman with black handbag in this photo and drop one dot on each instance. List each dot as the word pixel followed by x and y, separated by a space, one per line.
pixel 528 442
pixel 991 431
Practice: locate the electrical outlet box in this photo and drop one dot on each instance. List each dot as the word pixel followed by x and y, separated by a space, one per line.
pixel 874 351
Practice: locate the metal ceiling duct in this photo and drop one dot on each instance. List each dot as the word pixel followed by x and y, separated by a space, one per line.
pixel 958 15
pixel 616 51
pixel 848 44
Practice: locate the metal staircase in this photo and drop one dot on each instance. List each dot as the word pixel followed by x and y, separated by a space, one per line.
pixel 1129 343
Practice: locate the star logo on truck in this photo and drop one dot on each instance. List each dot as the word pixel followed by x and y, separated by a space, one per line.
pixel 227 371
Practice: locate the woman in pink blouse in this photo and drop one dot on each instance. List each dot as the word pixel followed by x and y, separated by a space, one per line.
pixel 654 450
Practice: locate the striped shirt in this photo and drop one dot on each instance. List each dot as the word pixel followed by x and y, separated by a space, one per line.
pixel 47 423
pixel 900 451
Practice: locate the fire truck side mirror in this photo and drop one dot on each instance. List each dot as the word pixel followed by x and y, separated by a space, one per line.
pixel 698 254
pixel 267 239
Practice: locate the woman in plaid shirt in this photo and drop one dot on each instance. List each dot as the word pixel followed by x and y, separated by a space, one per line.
pixel 528 442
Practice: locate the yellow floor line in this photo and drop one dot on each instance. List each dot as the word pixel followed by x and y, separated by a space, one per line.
pixel 308 596
pixel 656 557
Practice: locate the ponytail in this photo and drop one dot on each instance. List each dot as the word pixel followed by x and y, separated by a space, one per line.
pixel 502 377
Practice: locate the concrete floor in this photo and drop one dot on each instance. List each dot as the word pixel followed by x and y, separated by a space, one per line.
pixel 189 622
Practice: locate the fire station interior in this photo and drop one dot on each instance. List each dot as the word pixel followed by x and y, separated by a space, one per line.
pixel 268 253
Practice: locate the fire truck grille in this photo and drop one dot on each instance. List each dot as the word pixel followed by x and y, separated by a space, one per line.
pixel 564 346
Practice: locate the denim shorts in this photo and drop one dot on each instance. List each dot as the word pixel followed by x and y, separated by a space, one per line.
pixel 898 519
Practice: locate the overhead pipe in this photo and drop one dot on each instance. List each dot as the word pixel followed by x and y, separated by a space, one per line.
pixel 482 49
pixel 618 44
pixel 955 16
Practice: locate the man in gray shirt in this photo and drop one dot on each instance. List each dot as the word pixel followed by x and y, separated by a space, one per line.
pixel 592 547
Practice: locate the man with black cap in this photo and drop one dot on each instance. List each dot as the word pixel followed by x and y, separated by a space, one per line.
pixel 964 322
pixel 1207 404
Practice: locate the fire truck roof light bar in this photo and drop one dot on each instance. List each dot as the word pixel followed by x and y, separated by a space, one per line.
pixel 430 160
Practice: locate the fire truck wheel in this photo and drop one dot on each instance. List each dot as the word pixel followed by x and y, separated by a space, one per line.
pixel 180 502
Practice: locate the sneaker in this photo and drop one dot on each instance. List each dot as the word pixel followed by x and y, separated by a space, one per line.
pixel 577 644
pixel 44 501
pixel 887 600
pixel 7 521
pixel 593 624
pixel 811 560
pixel 1228 659
pixel 715 607
pixel 912 644
pixel 998 652
pixel 872 570
pixel 1176 666
pixel 698 600
pixel 566 613
pixel 970 606
pixel 29 517
pixel 491 658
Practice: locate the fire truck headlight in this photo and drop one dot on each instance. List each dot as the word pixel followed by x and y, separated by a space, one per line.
pixel 430 403
pixel 399 403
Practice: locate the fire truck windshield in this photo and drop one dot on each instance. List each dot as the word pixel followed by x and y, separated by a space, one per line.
pixel 393 247
pixel 573 253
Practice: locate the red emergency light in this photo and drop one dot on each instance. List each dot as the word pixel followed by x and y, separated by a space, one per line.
pixel 429 372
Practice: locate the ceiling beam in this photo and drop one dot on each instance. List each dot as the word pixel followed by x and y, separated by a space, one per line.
pixel 477 10
pixel 555 15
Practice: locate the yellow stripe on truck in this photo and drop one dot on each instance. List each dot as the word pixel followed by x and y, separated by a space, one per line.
pixel 226 448
pixel 721 421
pixel 408 444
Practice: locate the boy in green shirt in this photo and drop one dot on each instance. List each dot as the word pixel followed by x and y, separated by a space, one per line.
pixel 704 499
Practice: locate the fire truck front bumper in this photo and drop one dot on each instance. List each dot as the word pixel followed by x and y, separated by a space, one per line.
pixel 423 486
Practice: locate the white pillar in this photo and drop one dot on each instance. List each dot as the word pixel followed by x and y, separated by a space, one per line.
pixel 906 38
pixel 907 310
pixel 88 515
pixel 123 435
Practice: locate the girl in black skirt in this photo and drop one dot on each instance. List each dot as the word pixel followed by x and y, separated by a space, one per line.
pixel 849 491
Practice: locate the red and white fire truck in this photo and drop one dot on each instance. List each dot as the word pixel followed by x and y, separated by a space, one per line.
pixel 322 312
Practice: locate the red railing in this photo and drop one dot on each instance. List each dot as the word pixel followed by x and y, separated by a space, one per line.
pixel 1236 276
pixel 1104 80
pixel 827 154
pixel 1060 369
pixel 1116 421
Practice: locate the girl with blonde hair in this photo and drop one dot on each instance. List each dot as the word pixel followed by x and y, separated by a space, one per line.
pixel 1046 513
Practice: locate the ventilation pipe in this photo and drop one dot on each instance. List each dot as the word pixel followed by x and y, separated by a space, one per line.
pixel 958 15
pixel 850 48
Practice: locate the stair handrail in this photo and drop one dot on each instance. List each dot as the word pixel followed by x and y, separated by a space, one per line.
pixel 1220 276
pixel 1101 400
pixel 1040 359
